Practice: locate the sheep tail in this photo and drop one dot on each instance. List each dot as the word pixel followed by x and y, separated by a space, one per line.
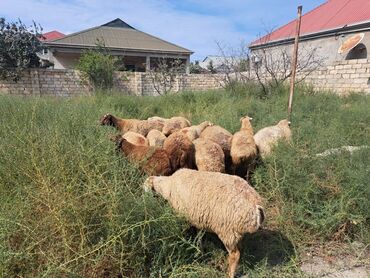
pixel 260 215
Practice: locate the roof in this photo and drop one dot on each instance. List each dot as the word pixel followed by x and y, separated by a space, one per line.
pixel 52 35
pixel 118 35
pixel 330 16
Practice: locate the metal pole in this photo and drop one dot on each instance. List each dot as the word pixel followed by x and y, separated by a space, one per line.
pixel 294 62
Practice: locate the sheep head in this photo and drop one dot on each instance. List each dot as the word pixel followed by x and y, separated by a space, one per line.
pixel 107 119
pixel 284 122
pixel 246 122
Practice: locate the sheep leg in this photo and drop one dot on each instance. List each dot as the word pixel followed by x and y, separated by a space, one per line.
pixel 234 256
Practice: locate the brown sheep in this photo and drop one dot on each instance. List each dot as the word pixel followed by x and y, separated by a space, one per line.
pixel 223 204
pixel 268 137
pixel 151 160
pixel 209 156
pixel 174 124
pixel 181 151
pixel 243 149
pixel 136 138
pixel 222 137
pixel 193 132
pixel 124 125
pixel 156 138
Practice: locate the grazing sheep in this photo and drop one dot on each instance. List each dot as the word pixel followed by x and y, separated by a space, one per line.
pixel 209 156
pixel 151 160
pixel 124 125
pixel 156 138
pixel 136 138
pixel 156 123
pixel 174 124
pixel 243 149
pixel 180 150
pixel 224 204
pixel 268 137
pixel 193 132
pixel 222 137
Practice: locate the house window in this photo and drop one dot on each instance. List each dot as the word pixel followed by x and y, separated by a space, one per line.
pixel 358 52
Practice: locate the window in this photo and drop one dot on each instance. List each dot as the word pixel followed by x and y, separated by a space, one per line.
pixel 358 52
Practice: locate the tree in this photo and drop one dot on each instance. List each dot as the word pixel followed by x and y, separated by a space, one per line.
pixel 98 66
pixel 164 73
pixel 210 67
pixel 195 68
pixel 19 46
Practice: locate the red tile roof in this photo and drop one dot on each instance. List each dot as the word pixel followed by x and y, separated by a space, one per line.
pixel 53 35
pixel 331 15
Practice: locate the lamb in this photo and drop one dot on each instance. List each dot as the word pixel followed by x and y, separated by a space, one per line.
pixel 243 149
pixel 124 125
pixel 156 138
pixel 197 195
pixel 151 160
pixel 209 156
pixel 193 132
pixel 268 137
pixel 181 151
pixel 174 124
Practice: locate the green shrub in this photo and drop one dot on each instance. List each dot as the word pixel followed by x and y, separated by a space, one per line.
pixel 71 207
pixel 98 66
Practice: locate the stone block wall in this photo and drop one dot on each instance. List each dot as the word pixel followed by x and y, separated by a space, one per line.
pixel 341 77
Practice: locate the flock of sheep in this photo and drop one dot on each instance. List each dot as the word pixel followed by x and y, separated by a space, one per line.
pixel 201 170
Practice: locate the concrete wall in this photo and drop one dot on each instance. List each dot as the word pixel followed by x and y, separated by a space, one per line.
pixel 324 49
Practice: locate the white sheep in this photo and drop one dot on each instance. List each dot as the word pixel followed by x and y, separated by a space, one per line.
pixel 243 149
pixel 209 156
pixel 224 204
pixel 268 137
pixel 156 138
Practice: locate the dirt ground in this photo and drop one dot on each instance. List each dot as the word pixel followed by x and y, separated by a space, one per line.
pixel 337 261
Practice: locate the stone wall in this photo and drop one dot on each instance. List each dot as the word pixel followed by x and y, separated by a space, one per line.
pixel 341 77
pixel 43 82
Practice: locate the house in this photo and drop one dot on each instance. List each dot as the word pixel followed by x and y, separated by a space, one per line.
pixel 335 31
pixel 52 35
pixel 220 63
pixel 139 51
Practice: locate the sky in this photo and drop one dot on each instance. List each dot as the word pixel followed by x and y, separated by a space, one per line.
pixel 194 24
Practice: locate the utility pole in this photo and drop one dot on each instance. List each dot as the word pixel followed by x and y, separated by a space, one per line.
pixel 294 62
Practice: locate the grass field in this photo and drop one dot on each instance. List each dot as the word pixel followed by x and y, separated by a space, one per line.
pixel 71 207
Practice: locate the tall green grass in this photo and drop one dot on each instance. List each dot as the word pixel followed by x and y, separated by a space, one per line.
pixel 71 207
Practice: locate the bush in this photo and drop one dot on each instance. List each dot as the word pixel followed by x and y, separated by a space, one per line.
pixel 98 66
pixel 71 207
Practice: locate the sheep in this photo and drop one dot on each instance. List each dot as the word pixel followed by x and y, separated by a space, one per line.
pixel 156 138
pixel 223 204
pixel 209 156
pixel 181 150
pixel 174 124
pixel 222 137
pixel 136 138
pixel 156 123
pixel 243 150
pixel 151 160
pixel 193 132
pixel 124 125
pixel 268 137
